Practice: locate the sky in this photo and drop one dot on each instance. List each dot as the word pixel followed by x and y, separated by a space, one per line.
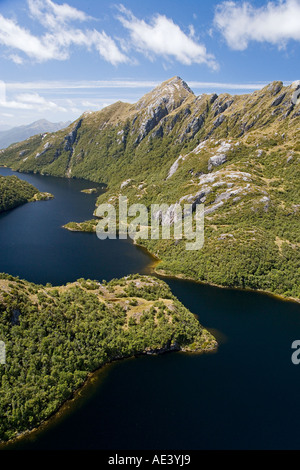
pixel 59 59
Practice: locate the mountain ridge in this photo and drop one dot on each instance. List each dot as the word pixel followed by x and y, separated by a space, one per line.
pixel 237 154
pixel 19 133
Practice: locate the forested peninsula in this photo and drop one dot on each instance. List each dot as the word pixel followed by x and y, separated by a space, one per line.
pixel 56 336
pixel 15 192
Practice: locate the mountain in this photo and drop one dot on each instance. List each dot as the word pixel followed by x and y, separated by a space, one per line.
pixel 239 155
pixel 4 127
pixel 17 134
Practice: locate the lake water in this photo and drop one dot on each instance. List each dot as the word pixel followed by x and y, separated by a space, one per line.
pixel 244 396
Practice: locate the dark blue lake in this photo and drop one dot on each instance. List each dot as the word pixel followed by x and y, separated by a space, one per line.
pixel 244 396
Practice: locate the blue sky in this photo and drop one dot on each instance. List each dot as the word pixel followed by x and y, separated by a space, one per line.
pixel 61 58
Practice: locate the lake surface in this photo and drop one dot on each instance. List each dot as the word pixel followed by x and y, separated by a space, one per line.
pixel 244 396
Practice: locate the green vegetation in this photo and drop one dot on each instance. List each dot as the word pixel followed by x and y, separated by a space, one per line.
pixel 14 192
pixel 89 191
pixel 87 226
pixel 56 336
pixel 239 155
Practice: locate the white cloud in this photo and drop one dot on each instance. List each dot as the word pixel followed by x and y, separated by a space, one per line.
pixel 162 37
pixel 16 37
pixel 16 59
pixel 31 101
pixel 275 23
pixel 60 36
pixel 89 104
pixel 227 86
pixel 107 47
pixel 85 86
pixel 63 32
pixel 51 14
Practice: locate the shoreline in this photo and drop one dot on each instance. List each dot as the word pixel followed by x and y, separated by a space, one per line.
pixel 182 277
pixel 202 341
pixel 30 172
pixel 157 261
pixel 153 266
pixel 162 273
pixel 62 411
pixel 86 389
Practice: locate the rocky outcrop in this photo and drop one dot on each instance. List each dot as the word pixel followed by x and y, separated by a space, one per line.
pixel 216 160
pixel 220 105
pixel 170 346
pixel 275 87
pixel 174 167
pixel 220 157
pixel 193 127
pixel 170 113
pixel 159 103
pixel 278 100
pixel 71 137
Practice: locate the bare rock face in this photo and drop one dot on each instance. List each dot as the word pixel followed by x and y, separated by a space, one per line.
pixel 220 157
pixel 172 122
pixel 71 137
pixel 159 103
pixel 278 100
pixel 216 160
pixel 193 127
pixel 220 105
pixel 275 87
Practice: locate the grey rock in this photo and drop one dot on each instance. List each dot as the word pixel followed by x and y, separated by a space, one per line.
pixel 213 98
pixel 220 107
pixel 216 160
pixel 278 100
pixel 219 121
pixel 71 137
pixel 275 88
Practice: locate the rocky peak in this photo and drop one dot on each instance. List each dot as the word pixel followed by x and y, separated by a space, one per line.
pixel 178 84
pixel 295 85
pixel 171 93
pixel 274 87
pixel 161 101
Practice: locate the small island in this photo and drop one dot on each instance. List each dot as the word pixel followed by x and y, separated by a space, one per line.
pixel 55 337
pixel 89 191
pixel 86 226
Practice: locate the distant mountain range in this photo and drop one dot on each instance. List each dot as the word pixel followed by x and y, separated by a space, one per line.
pixel 17 134
pixel 4 127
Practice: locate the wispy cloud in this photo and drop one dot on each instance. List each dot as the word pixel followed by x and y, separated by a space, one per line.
pixel 31 101
pixel 21 39
pixel 275 23
pixel 81 86
pixel 162 37
pixel 51 14
pixel 59 37
pixel 227 86
pixel 64 30
pixel 16 59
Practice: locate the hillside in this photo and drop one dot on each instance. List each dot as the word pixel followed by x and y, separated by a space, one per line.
pixel 56 336
pixel 15 192
pixel 19 133
pixel 239 155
